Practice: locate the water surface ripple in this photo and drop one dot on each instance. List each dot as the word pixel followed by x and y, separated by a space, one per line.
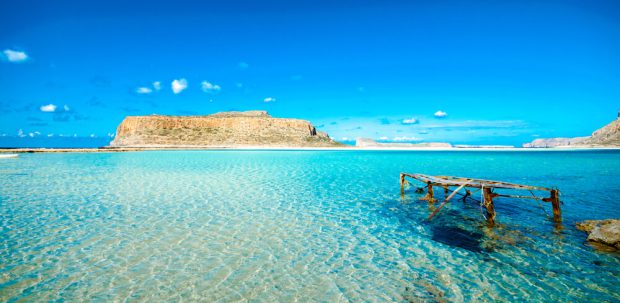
pixel 267 226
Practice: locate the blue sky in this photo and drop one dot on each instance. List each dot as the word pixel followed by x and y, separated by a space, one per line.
pixel 481 72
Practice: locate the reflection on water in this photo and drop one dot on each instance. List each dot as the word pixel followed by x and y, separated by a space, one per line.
pixel 271 226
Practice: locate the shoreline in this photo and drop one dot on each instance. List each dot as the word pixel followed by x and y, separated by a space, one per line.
pixel 289 148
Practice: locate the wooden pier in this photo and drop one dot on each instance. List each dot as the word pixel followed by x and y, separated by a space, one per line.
pixel 490 189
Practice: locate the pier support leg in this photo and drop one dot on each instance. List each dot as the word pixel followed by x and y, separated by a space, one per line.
pixel 555 202
pixel 488 203
pixel 467 194
pixel 430 194
pixel 402 184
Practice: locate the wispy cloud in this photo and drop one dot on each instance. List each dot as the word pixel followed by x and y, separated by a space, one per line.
pixel 270 99
pixel 15 56
pixel 209 87
pixel 53 108
pixel 50 108
pixel 179 85
pixel 410 121
pixel 157 85
pixel 440 114
pixel 406 139
pixel 143 90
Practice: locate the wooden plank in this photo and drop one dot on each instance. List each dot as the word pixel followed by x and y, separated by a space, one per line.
pixel 446 200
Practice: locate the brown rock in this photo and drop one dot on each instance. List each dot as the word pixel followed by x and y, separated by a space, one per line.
pixel 226 129
pixel 602 231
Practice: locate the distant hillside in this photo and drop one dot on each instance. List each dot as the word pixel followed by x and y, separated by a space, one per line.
pixel 370 143
pixel 607 136
pixel 226 129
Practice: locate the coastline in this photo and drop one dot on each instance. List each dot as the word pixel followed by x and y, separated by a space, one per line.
pixel 290 148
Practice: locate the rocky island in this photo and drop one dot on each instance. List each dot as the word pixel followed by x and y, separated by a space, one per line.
pixel 220 130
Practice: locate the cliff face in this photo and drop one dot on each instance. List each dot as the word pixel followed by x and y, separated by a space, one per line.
pixel 227 129
pixel 607 136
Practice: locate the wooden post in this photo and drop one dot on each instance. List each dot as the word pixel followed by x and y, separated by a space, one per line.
pixel 488 203
pixel 467 194
pixel 555 202
pixel 402 184
pixel 430 195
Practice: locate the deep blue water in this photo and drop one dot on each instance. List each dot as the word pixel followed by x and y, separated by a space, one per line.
pixel 299 225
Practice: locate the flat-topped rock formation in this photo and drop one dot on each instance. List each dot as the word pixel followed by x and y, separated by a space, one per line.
pixel 225 129
pixel 607 136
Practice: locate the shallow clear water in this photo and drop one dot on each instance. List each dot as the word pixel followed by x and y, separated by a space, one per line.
pixel 330 226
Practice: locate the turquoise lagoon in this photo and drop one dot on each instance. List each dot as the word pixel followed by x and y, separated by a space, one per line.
pixel 282 226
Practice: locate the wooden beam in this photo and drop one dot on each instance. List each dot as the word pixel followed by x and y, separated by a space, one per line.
pixel 446 200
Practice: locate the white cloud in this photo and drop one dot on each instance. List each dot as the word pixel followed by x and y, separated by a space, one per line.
pixel 15 56
pixel 50 108
pixel 144 90
pixel 92 135
pixel 344 139
pixel 66 107
pixel 20 133
pixel 270 99
pixel 440 114
pixel 50 135
pixel 411 121
pixel 209 87
pixel 111 135
pixel 33 134
pixel 157 85
pixel 384 138
pixel 405 138
pixel 179 85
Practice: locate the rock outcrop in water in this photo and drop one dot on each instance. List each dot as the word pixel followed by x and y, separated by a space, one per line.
pixel 226 129
pixel 606 232
pixel 607 136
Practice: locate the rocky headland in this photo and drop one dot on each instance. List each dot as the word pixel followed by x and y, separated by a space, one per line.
pixel 225 129
pixel 607 136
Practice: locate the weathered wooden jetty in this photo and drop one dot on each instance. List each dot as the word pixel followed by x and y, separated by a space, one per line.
pixel 489 188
